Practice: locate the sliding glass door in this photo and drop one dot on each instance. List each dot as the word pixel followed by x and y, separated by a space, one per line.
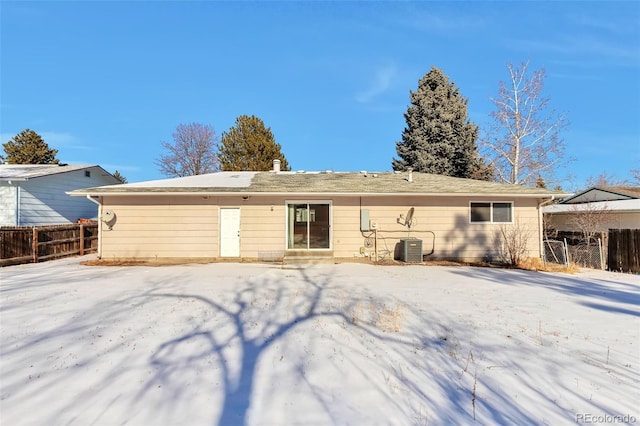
pixel 308 226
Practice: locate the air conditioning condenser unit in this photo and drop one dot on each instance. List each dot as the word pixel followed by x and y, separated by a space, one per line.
pixel 411 250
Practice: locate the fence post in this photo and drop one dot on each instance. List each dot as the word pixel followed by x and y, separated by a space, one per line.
pixel 34 245
pixel 81 239
pixel 566 252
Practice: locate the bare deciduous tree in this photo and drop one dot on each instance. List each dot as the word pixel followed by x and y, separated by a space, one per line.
pixel 605 180
pixel 193 151
pixel 513 243
pixel 524 141
pixel 590 219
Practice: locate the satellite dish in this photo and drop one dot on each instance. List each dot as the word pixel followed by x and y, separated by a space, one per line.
pixel 408 221
pixel 107 216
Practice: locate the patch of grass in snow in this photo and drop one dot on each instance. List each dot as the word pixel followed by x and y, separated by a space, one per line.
pixel 145 262
pixel 385 317
pixel 535 264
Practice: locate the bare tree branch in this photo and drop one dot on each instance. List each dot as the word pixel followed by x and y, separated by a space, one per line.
pixel 524 141
pixel 590 219
pixel 194 151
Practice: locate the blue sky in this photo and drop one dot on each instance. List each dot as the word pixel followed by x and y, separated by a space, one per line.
pixel 106 82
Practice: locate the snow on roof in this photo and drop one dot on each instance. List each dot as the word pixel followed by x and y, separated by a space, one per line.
pixel 211 180
pixel 30 171
pixel 613 206
pixel 391 183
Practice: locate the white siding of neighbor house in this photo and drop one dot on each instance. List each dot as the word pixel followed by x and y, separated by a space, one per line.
pixel 8 199
pixel 43 200
pixel 153 227
pixel 612 220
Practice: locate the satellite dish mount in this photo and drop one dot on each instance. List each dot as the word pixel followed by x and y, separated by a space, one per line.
pixel 408 219
pixel 109 218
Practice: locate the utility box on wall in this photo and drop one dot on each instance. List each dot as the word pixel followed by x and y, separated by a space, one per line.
pixel 411 250
pixel 364 220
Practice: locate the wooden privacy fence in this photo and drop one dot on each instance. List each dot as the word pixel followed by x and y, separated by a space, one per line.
pixel 624 250
pixel 35 244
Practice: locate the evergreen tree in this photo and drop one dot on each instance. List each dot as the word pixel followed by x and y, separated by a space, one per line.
pixel 28 147
pixel 249 146
pixel 119 176
pixel 439 138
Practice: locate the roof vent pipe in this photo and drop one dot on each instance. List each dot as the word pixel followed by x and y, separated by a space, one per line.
pixel 276 165
pixel 410 178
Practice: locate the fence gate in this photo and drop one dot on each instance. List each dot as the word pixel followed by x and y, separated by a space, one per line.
pixel 585 255
pixel 555 252
pixel 624 250
pixel 588 255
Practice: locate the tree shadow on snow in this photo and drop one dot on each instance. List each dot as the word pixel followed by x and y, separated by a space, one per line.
pixel 593 288
pixel 235 346
pixel 403 354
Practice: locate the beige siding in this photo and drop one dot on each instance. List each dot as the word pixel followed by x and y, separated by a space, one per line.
pixel 441 222
pixel 187 226
pixel 262 225
pixel 160 227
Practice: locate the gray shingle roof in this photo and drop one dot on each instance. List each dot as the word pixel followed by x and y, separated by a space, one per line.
pixel 334 183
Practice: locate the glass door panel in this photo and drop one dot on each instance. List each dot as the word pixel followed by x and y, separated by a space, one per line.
pixel 308 226
pixel 298 224
pixel 319 226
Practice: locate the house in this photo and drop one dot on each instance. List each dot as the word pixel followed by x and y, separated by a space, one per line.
pixel 35 194
pixel 599 209
pixel 329 215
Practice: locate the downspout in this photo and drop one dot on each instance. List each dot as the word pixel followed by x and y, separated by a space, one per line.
pixel 16 210
pixel 541 225
pixel 93 200
pixel 17 203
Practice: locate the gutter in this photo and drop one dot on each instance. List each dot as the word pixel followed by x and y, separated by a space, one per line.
pixel 93 200
pixel 541 225
pixel 312 194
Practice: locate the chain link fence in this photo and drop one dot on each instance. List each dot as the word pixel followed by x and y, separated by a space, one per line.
pixel 585 255
pixel 555 252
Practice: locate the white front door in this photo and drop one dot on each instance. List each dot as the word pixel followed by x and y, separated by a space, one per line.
pixel 230 232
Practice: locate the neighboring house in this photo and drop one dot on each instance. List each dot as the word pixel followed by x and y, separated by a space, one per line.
pixel 598 209
pixel 274 214
pixel 35 194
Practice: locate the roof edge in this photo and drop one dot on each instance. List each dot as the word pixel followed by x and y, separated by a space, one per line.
pixel 597 188
pixel 82 193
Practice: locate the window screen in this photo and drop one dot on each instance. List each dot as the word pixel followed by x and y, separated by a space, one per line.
pixel 502 212
pixel 480 212
pixel 491 212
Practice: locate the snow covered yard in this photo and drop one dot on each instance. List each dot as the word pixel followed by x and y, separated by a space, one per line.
pixel 325 344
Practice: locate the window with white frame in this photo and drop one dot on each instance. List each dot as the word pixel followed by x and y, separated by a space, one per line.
pixel 490 212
